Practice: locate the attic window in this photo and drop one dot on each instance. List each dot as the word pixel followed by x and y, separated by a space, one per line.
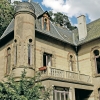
pixel 46 22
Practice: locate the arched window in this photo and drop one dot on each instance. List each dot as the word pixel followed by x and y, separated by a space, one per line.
pixel 71 63
pixel 45 24
pixel 96 52
pixel 99 93
pixel 30 52
pixel 8 66
pixel 15 52
pixel 97 60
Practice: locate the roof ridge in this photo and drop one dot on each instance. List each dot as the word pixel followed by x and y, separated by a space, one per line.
pixel 37 4
pixel 6 29
pixel 93 21
pixel 41 7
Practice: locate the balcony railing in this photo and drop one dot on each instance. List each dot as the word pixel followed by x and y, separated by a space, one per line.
pixel 75 76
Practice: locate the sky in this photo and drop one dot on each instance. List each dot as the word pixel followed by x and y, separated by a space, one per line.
pixel 73 8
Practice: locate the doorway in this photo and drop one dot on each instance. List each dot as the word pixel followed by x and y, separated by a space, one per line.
pixel 82 94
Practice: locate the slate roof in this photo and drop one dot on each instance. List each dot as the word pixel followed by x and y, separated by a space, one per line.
pixel 60 33
pixel 9 29
pixel 38 9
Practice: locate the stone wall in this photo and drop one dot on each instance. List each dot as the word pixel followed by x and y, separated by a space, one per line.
pixel 59 54
pixel 3 59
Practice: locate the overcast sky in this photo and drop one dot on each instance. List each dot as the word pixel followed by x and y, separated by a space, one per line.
pixel 73 8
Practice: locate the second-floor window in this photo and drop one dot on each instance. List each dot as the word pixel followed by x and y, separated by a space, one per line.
pixel 99 93
pixel 47 59
pixel 71 63
pixel 97 60
pixel 15 52
pixel 30 52
pixel 8 65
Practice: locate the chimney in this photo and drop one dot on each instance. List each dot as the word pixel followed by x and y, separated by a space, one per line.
pixel 82 29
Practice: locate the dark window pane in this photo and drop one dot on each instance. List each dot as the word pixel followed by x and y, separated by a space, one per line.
pixel 29 53
pixel 99 93
pixel 8 61
pixel 44 59
pixel 98 65
pixel 16 55
pixel 96 52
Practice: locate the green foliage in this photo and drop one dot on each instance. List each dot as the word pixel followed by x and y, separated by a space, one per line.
pixel 24 89
pixel 6 14
pixel 61 19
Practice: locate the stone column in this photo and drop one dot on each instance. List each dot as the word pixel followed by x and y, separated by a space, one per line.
pixel 52 89
pixel 71 93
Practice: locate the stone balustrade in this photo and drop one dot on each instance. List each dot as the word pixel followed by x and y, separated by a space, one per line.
pixel 67 75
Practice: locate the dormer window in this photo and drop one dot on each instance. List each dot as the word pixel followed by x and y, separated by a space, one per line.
pixel 45 21
pixel 45 24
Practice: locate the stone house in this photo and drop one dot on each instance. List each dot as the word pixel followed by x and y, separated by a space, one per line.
pixel 69 61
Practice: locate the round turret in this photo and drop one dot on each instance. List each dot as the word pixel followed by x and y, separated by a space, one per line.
pixel 24 40
pixel 25 7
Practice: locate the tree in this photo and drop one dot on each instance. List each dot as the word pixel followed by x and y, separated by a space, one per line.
pixel 61 19
pixel 24 89
pixel 6 14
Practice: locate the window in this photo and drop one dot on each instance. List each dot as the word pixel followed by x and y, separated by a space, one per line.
pixel 60 93
pixel 8 66
pixel 97 60
pixel 99 93
pixel 47 59
pixel 71 63
pixel 45 24
pixel 15 52
pixel 96 52
pixel 30 52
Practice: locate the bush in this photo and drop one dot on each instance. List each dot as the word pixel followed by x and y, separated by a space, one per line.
pixel 24 89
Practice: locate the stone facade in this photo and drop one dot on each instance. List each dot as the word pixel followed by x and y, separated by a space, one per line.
pixel 72 75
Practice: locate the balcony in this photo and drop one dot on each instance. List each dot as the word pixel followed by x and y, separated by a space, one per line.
pixel 70 75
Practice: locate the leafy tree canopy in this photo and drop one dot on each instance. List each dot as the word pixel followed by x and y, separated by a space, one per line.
pixel 61 19
pixel 24 89
pixel 6 14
